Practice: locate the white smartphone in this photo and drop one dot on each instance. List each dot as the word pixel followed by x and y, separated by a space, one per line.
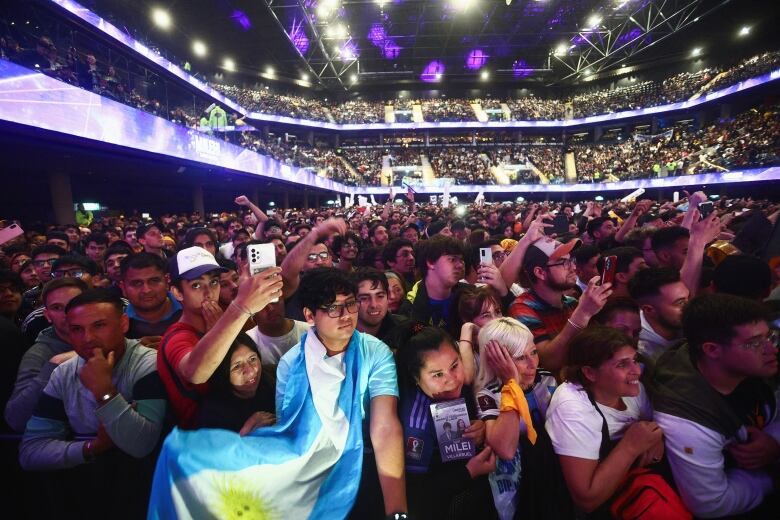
pixel 261 257
pixel 485 256
pixel 10 232
pixel 676 197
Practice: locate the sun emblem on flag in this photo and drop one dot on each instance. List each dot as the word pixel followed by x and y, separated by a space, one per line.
pixel 236 501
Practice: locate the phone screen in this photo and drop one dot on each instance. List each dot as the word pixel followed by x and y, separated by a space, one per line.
pixel 705 208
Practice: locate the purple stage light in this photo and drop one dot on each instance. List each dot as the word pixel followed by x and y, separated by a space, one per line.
pixel 241 18
pixel 476 59
pixel 636 32
pixel 377 34
pixel 391 50
pixel 349 51
pixel 520 69
pixel 298 36
pixel 432 72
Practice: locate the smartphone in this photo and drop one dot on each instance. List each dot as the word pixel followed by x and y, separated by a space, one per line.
pixel 261 257
pixel 144 215
pixel 10 232
pixel 676 197
pixel 608 274
pixel 705 208
pixel 485 256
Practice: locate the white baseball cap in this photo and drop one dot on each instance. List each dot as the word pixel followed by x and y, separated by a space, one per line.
pixel 193 262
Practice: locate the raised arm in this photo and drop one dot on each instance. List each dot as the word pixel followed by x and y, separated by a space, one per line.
pixel 510 268
pixel 295 260
pixel 702 233
pixel 262 218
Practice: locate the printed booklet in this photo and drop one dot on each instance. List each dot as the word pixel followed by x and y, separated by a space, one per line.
pixel 451 419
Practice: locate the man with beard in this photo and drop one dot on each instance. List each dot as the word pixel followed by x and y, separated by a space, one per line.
pixel 152 309
pixel 602 230
pixel 552 317
pixel 374 317
pixel 661 296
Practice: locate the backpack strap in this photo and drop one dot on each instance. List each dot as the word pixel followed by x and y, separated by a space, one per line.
pixel 606 443
pixel 186 392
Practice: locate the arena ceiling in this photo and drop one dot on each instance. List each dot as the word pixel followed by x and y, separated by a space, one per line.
pixel 351 44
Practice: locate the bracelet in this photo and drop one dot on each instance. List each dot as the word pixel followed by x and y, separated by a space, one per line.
pixel 578 327
pixel 465 340
pixel 242 309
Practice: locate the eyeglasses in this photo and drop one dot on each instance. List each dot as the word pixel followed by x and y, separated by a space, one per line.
pixel 70 273
pixel 772 338
pixel 336 310
pixel 567 263
pixel 314 256
pixel 41 263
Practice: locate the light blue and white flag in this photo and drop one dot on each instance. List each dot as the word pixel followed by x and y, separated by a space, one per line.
pixel 308 465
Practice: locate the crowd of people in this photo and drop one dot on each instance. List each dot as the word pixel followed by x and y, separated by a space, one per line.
pixel 465 165
pixel 628 351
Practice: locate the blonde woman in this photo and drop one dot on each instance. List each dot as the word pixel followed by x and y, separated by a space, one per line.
pixel 512 398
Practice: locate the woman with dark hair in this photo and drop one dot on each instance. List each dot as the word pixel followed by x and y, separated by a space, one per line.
pixel 430 371
pixel 241 393
pixel 601 395
pixel 477 306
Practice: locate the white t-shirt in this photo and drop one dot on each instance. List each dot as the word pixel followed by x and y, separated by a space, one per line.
pixel 272 349
pixel 574 425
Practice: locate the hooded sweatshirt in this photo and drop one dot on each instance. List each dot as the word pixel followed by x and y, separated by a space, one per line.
pixel 34 372
pixel 699 423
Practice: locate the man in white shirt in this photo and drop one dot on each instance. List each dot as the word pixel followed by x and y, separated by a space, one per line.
pixel 275 334
pixel 718 412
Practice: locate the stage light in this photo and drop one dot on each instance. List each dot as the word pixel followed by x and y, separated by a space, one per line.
pixel 161 18
pixel 696 52
pixel 353 78
pixel 561 50
pixel 485 75
pixel 229 65
pixel 462 5
pixel 340 31
pixel 438 76
pixel 270 71
pixel 593 21
pixel 744 31
pixel 305 77
pixel 199 48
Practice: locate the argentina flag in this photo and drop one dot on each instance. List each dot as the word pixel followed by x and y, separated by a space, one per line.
pixel 308 465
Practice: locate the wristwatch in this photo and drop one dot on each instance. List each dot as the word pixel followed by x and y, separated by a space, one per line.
pixel 398 516
pixel 106 398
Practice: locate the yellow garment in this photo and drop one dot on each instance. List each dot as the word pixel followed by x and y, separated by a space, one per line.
pixel 513 399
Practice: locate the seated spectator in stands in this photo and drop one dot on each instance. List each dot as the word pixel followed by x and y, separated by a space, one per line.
pixel 396 291
pixel 192 348
pixel 151 308
pixel 58 238
pixel 429 371
pixel 11 289
pixel 112 265
pixel 95 246
pixel 347 249
pixel 743 275
pixel 68 266
pixel 670 245
pixel 629 261
pixel 587 257
pixel 552 317
pixel 241 394
pixel 621 314
pixel 275 334
pixel 512 398
pixel 50 349
pixel 601 394
pixel 111 390
pixel 398 256
pixel 430 300
pixel 661 296
pixel 715 401
pixel 150 237
pixel 374 316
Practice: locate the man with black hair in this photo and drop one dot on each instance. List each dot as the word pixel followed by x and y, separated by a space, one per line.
pixel 399 257
pixel 629 261
pixel 331 309
pixel 228 282
pixel 347 247
pixel 95 246
pixel 442 263
pixel 192 348
pixel 719 414
pixel 274 333
pixel 459 230
pixel 602 230
pixel 374 316
pixel 50 349
pixel 411 232
pixel 150 237
pixel 112 264
pixel 377 233
pixel 201 237
pixel 110 390
pixel 743 275
pixel 11 289
pixel 152 309
pixel 587 258
pixel 670 245
pixel 621 314
pixel 42 259
pixel 58 238
pixel 661 296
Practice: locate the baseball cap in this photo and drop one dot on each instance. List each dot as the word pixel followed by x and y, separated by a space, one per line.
pixel 143 228
pixel 193 262
pixel 545 250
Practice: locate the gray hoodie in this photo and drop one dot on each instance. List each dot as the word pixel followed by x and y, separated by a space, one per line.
pixel 34 372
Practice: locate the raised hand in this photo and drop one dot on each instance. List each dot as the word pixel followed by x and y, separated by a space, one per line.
pixel 500 361
pixel 256 292
pixel 255 421
pixel 95 375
